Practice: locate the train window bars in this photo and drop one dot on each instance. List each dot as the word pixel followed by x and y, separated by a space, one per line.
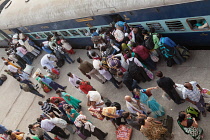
pixel 84 32
pixel 156 25
pixel 136 26
pixel 74 32
pixel 48 33
pixel 175 25
pixel 35 36
pixel 65 33
pixel 198 24
pixel 42 35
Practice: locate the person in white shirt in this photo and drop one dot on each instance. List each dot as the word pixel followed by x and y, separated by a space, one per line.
pixel 47 60
pixel 60 122
pixel 49 126
pixel 11 68
pixel 73 79
pixel 107 75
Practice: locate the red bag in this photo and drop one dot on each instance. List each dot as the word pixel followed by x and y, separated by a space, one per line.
pixel 55 71
pixel 124 132
pixel 96 113
pixel 46 89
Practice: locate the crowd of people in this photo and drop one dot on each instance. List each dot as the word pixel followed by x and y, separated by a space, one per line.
pixel 129 53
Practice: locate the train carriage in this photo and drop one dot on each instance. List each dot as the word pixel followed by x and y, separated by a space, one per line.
pixel 74 19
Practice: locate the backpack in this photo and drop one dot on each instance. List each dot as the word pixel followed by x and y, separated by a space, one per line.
pixel 149 44
pixel 166 51
pixel 84 131
pixel 185 53
pixel 25 87
pixel 193 112
pixel 133 68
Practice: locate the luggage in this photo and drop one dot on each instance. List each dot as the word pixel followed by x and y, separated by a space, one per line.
pixel 117 105
pixel 46 89
pixel 205 92
pixel 81 135
pixel 84 131
pixel 96 113
pixel 133 68
pixel 168 123
pixel 3 77
pixel 193 112
pixel 55 71
pixel 109 111
pixel 149 44
pixel 184 52
pixel 25 87
pixel 60 63
pixel 124 132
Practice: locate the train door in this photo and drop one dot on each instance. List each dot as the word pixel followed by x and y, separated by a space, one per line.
pixel 113 18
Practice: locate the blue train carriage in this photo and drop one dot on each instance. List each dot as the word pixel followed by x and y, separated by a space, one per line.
pixel 185 21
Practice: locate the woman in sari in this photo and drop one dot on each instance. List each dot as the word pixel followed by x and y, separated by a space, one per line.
pixel 190 126
pixel 71 113
pixel 144 96
pixel 69 99
pixel 153 129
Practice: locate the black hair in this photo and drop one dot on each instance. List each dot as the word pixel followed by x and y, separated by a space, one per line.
pixel 9 132
pixel 58 91
pixel 125 114
pixel 144 32
pixel 18 79
pixel 126 39
pixel 141 121
pixel 40 102
pixel 128 55
pixel 56 101
pixel 79 60
pixel 48 100
pixel 68 74
pixel 6 63
pixel 28 138
pixel 30 126
pixel 120 73
pixel 181 116
pixel 152 29
pixel 103 48
pixel 87 47
pixel 189 122
pixel 93 53
pixel 159 74
pixel 38 119
pixel 78 82
pixel 134 45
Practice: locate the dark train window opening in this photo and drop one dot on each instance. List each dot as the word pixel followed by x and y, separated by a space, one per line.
pixel 198 24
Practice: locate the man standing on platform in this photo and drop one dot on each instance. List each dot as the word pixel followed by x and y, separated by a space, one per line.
pixel 168 85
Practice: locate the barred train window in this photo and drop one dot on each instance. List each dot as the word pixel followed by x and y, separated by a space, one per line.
pixel 35 36
pixel 175 25
pixel 84 32
pixel 198 23
pixel 156 25
pixel 74 32
pixel 65 33
pixel 136 26
pixel 42 35
pixel 48 33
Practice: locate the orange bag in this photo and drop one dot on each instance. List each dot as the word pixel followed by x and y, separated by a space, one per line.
pixel 46 89
pixel 124 132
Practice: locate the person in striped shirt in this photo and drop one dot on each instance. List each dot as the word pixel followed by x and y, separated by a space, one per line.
pixel 49 107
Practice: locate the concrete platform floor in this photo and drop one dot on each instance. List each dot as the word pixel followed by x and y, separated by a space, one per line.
pixel 18 108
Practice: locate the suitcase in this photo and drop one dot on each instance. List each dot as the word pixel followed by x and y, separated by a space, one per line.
pixel 46 89
pixel 124 132
pixel 168 123
pixel 81 135
pixel 60 63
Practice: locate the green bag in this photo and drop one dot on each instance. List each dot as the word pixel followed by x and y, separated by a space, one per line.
pixel 193 112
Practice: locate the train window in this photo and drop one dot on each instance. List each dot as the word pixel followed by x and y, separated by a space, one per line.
pixel 65 33
pixel 84 32
pixel 35 36
pixel 156 25
pixel 74 32
pixel 48 33
pixel 42 35
pixel 198 24
pixel 137 26
pixel 175 25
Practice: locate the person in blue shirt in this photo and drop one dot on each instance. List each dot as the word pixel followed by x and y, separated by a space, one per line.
pixel 168 49
pixel 50 82
pixel 2 129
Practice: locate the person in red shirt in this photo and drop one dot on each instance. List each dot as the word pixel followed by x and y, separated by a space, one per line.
pixel 53 99
pixel 145 55
pixel 85 86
